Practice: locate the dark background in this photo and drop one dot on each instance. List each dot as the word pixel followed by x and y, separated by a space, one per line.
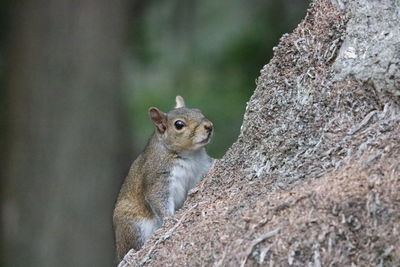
pixel 76 81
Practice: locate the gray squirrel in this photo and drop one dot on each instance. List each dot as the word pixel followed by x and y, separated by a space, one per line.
pixel 158 181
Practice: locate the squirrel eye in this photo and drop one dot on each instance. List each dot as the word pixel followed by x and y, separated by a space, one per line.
pixel 179 124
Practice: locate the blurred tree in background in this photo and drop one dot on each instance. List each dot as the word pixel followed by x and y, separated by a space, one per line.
pixel 65 143
pixel 66 136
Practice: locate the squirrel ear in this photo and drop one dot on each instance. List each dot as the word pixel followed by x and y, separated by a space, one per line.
pixel 159 119
pixel 180 103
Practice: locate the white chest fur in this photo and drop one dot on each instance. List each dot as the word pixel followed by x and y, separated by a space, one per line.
pixel 187 171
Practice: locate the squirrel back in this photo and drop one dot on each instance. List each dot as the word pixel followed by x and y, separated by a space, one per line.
pixel 158 181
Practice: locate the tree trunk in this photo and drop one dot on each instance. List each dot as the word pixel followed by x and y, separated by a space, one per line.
pixel 67 138
pixel 313 178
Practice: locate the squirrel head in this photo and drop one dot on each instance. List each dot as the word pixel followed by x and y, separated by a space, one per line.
pixel 181 129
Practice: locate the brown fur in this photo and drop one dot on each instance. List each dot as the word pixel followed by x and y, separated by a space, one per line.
pixel 144 194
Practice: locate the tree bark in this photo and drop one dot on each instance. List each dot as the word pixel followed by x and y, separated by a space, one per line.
pixel 313 178
pixel 66 132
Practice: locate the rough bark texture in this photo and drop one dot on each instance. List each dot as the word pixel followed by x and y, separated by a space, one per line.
pixel 314 175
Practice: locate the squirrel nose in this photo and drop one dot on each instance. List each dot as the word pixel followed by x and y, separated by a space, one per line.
pixel 208 126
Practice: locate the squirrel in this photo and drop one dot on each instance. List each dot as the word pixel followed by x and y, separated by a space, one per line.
pixel 157 184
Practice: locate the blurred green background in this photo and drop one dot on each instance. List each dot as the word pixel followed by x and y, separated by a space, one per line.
pixel 209 52
pixel 76 81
